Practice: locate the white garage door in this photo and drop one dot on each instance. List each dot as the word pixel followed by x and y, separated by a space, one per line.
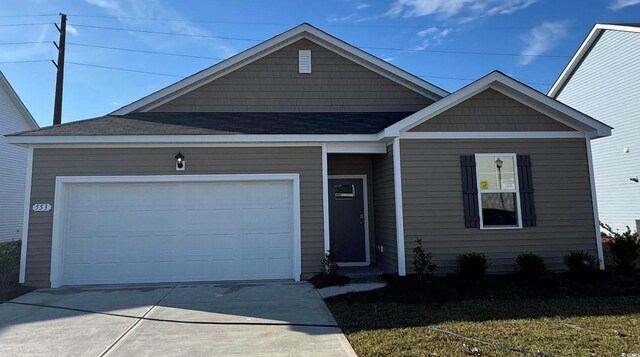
pixel 178 231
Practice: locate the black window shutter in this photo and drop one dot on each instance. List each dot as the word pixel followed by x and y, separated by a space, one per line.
pixel 470 191
pixel 526 191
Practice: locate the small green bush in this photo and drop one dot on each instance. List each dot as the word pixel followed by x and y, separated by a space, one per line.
pixel 624 248
pixel 581 263
pixel 9 264
pixel 471 265
pixel 422 263
pixel 329 264
pixel 530 265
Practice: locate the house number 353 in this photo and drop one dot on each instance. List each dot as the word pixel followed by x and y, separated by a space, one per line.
pixel 41 207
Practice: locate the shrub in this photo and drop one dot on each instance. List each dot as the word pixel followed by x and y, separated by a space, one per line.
pixel 329 265
pixel 530 265
pixel 624 248
pixel 9 264
pixel 471 265
pixel 422 262
pixel 328 275
pixel 581 263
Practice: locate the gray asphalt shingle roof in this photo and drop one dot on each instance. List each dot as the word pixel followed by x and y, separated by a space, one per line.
pixel 152 123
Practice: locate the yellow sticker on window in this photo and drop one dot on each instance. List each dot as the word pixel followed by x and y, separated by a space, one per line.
pixel 484 185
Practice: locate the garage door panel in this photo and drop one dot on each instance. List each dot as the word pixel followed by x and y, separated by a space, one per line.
pixel 161 232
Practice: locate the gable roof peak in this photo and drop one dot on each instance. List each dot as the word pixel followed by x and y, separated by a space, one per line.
pixel 273 44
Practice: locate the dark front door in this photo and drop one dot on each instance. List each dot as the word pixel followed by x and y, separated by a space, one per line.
pixel 347 220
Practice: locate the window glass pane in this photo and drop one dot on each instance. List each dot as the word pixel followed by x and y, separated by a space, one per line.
pixel 496 173
pixel 499 209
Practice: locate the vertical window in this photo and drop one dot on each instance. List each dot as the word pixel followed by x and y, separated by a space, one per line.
pixel 498 193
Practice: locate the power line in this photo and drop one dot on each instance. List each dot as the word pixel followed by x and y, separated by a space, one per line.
pixel 25 61
pixel 23 43
pixel 143 51
pixel 29 24
pixel 473 79
pixel 168 33
pixel 295 24
pixel 124 69
pixel 22 16
pixel 363 47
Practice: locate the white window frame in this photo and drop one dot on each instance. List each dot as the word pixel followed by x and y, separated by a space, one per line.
pixel 516 190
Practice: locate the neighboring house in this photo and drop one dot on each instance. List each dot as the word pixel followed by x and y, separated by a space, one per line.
pixel 602 80
pixel 14 117
pixel 256 166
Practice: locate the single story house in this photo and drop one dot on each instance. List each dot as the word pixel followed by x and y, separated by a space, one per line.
pixel 257 166
pixel 609 59
pixel 14 117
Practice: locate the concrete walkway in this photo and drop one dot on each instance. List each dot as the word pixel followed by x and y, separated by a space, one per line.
pixel 235 319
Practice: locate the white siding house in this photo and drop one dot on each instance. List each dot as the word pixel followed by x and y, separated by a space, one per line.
pixel 14 117
pixel 603 81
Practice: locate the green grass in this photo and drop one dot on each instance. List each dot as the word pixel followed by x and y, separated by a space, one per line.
pixel 594 326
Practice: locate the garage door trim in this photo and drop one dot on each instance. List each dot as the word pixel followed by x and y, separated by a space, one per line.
pixel 62 182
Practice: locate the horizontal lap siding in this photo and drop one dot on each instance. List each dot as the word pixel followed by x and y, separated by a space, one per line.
pixel 385 211
pixel 606 87
pixel 433 205
pixel 490 110
pixel 49 163
pixel 273 84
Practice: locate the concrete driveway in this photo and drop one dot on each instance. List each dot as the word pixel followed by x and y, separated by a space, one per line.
pixel 232 319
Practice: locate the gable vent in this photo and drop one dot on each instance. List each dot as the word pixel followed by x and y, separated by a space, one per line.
pixel 304 61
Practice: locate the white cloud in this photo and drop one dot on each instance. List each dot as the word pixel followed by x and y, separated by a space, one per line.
pixel 541 39
pixel 72 30
pixel 469 9
pixel 362 5
pixel 128 10
pixel 432 36
pixel 35 51
pixel 114 103
pixel 619 4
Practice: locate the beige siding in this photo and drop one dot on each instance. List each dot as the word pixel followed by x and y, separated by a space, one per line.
pixel 49 163
pixel 491 110
pixel 354 164
pixel 273 84
pixel 385 211
pixel 433 207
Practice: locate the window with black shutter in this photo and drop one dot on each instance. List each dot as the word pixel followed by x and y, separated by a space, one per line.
pixel 498 191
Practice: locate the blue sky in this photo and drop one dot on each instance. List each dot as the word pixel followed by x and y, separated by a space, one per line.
pixel 510 28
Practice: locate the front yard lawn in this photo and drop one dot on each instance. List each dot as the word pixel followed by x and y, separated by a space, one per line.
pixel 403 320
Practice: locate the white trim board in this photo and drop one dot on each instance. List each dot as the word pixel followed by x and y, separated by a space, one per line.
pixel 304 30
pixel 397 187
pixel 325 200
pixel 582 51
pixel 515 90
pixel 60 203
pixel 25 218
pixel 493 135
pixel 365 202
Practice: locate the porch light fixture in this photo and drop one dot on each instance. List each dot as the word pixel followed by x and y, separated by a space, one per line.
pixel 180 162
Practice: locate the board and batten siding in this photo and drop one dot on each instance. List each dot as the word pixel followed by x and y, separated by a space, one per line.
pixel 433 203
pixel 385 211
pixel 49 163
pixel 606 86
pixel 13 160
pixel 490 110
pixel 273 84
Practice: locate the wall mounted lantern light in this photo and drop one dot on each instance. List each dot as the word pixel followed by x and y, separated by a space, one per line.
pixel 180 162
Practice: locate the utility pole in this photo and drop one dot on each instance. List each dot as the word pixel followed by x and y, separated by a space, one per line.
pixel 57 107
